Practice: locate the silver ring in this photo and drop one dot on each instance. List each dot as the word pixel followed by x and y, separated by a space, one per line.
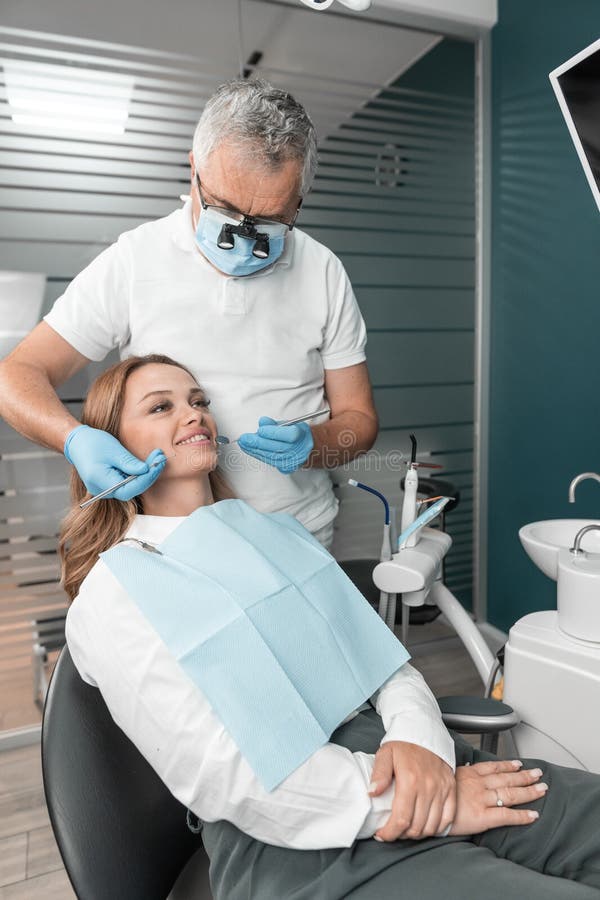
pixel 498 800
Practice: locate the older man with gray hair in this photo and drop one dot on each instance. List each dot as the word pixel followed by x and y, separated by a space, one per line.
pixel 262 314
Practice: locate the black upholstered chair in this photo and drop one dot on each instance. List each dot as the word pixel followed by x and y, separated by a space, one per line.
pixel 120 832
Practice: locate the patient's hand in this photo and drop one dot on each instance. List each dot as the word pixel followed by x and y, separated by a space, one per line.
pixel 425 790
pixel 480 786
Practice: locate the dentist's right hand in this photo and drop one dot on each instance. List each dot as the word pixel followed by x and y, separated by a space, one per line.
pixel 102 461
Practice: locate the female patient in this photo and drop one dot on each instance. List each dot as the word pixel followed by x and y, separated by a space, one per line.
pixel 386 773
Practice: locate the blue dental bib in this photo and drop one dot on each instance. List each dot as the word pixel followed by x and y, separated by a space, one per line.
pixel 265 623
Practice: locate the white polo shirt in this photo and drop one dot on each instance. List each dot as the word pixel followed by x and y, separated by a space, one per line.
pixel 258 345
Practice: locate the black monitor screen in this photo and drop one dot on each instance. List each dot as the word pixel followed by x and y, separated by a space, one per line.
pixel 578 81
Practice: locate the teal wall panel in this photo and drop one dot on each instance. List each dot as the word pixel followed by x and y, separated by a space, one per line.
pixel 450 60
pixel 545 316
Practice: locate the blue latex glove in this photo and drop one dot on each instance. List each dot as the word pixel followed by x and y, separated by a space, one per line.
pixel 102 461
pixel 284 446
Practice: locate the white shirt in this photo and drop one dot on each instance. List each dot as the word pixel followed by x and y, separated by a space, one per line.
pixel 259 345
pixel 324 803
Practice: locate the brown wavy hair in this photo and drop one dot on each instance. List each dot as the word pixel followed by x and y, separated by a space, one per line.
pixel 85 533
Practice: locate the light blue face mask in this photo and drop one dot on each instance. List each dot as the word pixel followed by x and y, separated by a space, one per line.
pixel 239 260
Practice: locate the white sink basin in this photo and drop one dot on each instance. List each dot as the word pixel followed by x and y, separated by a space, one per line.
pixel 543 541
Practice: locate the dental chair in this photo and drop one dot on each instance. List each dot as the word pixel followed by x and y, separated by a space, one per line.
pixel 121 834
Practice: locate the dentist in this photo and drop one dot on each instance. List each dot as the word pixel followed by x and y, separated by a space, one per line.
pixel 231 287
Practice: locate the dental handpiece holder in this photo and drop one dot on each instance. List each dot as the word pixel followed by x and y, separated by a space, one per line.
pixel 417 563
pixel 412 570
pixel 415 573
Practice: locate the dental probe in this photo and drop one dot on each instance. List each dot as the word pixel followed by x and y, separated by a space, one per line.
pixel 221 439
pixel 119 484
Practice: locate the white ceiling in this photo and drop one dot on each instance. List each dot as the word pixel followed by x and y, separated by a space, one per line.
pixel 309 52
pixel 314 46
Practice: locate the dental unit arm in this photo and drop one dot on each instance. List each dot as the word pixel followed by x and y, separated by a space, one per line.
pixel 414 571
pixel 416 566
pixel 421 569
pixel 409 572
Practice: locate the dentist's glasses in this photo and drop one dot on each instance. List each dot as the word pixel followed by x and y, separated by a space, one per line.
pixel 253 228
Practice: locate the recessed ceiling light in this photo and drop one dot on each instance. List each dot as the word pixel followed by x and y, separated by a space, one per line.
pixel 67 98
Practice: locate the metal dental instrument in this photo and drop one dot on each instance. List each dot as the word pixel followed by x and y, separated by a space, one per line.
pixel 221 439
pixel 119 484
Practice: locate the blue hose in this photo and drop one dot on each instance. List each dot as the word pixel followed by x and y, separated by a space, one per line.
pixel 371 490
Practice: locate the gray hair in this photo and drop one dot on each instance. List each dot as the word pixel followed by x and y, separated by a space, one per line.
pixel 266 123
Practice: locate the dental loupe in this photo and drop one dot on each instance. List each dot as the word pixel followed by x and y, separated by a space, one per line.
pixel 247 229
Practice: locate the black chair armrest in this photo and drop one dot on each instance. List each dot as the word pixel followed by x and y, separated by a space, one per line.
pixel 477 715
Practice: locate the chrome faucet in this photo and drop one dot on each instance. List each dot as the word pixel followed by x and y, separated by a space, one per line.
pixel 583 477
pixel 576 548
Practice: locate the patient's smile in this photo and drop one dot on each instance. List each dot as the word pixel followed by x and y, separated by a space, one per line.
pixel 165 407
pixel 194 439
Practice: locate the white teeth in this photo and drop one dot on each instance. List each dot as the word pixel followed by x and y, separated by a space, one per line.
pixel 194 439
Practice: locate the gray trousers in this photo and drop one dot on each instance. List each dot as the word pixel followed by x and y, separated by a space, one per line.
pixel 555 858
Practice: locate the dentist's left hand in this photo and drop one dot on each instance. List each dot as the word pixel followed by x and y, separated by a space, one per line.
pixel 425 791
pixel 102 461
pixel 284 446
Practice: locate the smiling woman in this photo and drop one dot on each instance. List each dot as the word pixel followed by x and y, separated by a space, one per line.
pixel 238 658
pixel 164 405
pixel 153 405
